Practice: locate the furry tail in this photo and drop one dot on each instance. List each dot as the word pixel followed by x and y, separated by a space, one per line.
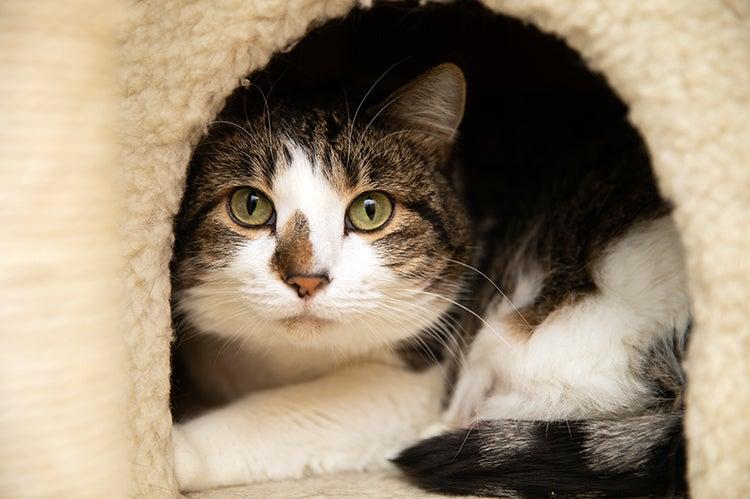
pixel 635 456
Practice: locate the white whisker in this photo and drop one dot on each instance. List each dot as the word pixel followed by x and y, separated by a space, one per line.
pixel 467 309
pixel 505 297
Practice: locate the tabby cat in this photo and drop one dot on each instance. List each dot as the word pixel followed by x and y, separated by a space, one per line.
pixel 336 304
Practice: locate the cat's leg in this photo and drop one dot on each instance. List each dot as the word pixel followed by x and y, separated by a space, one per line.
pixel 497 341
pixel 353 419
pixel 585 358
pixel 477 380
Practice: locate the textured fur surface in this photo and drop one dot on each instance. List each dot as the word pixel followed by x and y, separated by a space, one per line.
pixel 634 456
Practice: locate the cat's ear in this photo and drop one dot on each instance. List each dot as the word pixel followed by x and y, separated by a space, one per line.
pixel 432 103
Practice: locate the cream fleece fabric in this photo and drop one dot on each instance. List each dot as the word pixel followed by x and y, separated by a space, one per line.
pixel 63 368
pixel 682 66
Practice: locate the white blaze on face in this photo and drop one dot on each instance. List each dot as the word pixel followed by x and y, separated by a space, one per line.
pixel 302 187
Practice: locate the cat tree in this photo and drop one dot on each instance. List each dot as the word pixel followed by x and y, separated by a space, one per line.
pixel 100 105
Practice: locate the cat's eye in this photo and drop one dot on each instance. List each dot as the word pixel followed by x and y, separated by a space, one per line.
pixel 369 211
pixel 250 207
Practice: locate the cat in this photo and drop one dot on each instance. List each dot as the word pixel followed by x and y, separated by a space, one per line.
pixel 313 256
pixel 334 294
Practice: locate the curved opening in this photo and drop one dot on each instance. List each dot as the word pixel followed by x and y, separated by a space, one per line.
pixel 530 98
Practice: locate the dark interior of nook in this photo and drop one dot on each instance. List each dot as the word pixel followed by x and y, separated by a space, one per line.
pixel 530 98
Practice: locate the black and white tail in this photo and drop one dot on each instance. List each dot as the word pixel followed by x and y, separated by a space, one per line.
pixel 633 456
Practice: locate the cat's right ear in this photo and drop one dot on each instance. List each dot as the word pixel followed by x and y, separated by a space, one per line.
pixel 431 104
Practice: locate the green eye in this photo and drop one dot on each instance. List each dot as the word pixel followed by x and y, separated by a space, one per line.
pixel 249 207
pixel 369 211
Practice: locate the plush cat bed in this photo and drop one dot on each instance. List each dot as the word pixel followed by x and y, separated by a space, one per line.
pixel 84 415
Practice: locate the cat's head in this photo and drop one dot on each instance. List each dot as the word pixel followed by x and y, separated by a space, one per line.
pixel 311 226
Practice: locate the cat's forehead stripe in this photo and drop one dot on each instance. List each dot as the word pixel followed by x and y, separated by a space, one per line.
pixel 326 139
pixel 321 162
pixel 302 187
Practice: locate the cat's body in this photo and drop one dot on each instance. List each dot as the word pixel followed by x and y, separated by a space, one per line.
pixel 331 345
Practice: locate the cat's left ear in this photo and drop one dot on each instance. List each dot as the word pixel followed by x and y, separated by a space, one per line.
pixel 432 104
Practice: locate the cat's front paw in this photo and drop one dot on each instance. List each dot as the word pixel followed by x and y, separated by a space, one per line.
pixel 188 465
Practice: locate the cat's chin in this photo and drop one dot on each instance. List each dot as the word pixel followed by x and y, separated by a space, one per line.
pixel 306 324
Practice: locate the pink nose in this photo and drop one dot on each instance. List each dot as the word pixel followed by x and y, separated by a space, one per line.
pixel 307 285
